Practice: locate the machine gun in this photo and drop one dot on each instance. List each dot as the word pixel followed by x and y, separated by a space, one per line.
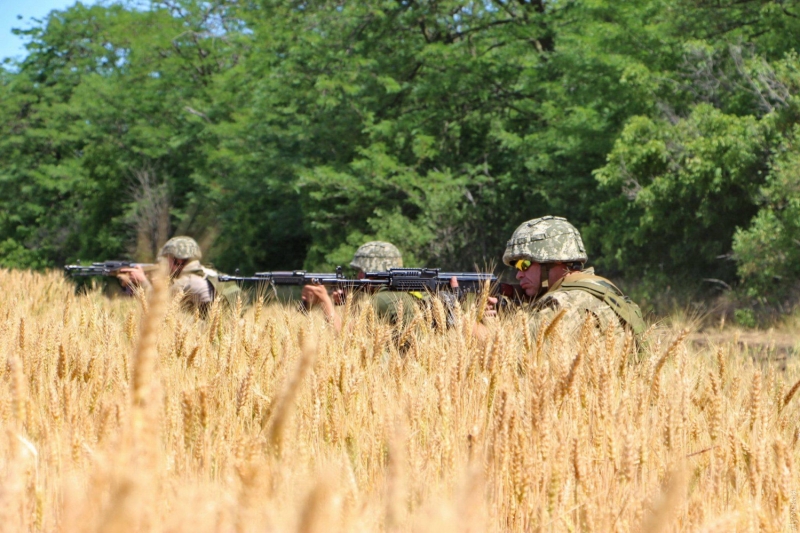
pixel 394 279
pixel 283 278
pixel 104 268
pixel 429 280
pixel 425 280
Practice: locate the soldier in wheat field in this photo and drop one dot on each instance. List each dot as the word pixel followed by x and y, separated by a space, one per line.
pixel 374 256
pixel 198 284
pixel 549 256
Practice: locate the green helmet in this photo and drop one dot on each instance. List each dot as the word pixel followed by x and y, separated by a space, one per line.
pixel 181 248
pixel 545 240
pixel 376 256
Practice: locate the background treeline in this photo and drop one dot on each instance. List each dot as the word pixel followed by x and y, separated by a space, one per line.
pixel 285 133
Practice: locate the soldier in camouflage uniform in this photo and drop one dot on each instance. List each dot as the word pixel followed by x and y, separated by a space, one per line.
pixel 374 256
pixel 378 256
pixel 198 284
pixel 549 255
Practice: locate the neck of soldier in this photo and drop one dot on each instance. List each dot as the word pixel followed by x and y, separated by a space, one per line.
pixel 176 266
pixel 551 273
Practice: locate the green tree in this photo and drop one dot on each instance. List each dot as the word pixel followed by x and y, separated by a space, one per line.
pixel 282 133
pixel 681 191
pixel 103 92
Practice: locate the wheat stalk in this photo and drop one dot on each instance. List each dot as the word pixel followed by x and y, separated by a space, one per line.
pixel 447 433
pixel 286 401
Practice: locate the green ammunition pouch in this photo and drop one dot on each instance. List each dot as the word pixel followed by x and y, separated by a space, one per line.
pixel 604 290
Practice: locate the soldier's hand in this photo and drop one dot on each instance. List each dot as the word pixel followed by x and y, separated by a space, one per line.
pixel 491 307
pixel 132 276
pixel 338 297
pixel 316 294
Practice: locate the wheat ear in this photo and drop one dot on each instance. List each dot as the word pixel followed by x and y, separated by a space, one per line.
pixel 286 401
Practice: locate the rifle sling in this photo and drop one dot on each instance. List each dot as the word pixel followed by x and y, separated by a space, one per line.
pixel 607 292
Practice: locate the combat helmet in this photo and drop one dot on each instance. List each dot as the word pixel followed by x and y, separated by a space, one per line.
pixel 181 248
pixel 376 256
pixel 545 240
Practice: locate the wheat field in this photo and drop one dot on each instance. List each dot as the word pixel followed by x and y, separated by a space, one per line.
pixel 132 415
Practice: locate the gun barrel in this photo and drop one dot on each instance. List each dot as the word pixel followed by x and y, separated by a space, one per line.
pixel 105 268
pixel 243 279
pixel 287 277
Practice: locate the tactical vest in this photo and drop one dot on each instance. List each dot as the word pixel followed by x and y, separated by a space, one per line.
pixel 608 293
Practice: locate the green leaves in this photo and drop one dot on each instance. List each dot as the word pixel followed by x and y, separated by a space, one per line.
pixel 681 190
pixel 767 249
pixel 283 133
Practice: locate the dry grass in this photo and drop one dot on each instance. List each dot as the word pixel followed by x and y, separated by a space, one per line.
pixel 116 419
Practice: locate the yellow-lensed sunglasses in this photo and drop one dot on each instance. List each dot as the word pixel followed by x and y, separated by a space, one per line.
pixel 522 265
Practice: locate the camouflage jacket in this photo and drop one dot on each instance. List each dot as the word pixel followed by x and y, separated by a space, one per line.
pixel 200 286
pixel 584 292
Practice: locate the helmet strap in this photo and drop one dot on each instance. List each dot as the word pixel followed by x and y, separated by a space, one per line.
pixel 544 277
pixel 179 264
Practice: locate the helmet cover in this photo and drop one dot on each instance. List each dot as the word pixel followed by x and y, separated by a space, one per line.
pixel 545 240
pixel 377 256
pixel 181 248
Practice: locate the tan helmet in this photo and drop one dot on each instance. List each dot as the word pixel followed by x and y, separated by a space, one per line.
pixel 181 248
pixel 375 256
pixel 545 240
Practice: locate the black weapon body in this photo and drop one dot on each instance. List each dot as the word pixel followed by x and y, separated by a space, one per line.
pixel 104 268
pixel 430 280
pixel 394 279
pixel 282 278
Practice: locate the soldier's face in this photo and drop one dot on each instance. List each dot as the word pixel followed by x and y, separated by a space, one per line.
pixel 175 265
pixel 530 279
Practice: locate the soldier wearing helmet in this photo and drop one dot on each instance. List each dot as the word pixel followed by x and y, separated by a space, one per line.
pixel 549 256
pixel 198 284
pixel 374 256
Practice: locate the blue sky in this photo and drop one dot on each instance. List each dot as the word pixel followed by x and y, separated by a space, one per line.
pixel 10 44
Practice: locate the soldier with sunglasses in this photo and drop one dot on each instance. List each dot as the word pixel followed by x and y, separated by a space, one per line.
pixel 549 256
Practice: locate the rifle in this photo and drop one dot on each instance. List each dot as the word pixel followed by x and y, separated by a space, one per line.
pixel 430 280
pixel 394 279
pixel 104 268
pixel 281 278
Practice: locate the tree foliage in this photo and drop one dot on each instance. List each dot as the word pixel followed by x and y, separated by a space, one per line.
pixel 284 133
